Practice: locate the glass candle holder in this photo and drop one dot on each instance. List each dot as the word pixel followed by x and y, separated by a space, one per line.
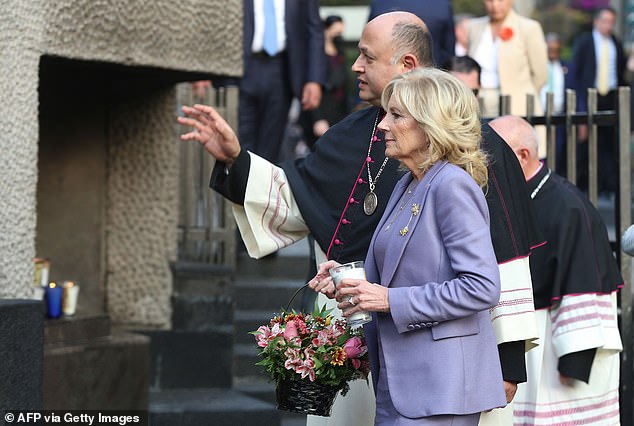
pixel 53 296
pixel 69 298
pixel 351 270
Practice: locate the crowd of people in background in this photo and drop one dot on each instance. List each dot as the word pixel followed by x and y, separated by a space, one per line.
pixel 540 287
pixel 509 48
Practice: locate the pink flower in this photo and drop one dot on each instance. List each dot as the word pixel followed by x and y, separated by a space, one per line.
pixel 291 331
pixel 307 369
pixel 354 347
pixel 301 326
pixel 276 331
pixel 311 346
pixel 321 339
pixel 309 354
pixel 337 329
pixel 263 336
pixel 293 361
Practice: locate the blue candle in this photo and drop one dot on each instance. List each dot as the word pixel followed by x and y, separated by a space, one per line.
pixel 53 295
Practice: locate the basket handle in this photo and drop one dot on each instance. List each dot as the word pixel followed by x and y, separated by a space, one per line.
pixel 294 295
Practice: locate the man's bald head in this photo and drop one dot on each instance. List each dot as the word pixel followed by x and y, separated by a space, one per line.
pixel 408 34
pixel 522 139
pixel 390 18
pixel 391 44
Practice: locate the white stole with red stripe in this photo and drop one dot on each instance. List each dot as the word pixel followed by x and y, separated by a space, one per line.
pixel 270 218
pixel 577 323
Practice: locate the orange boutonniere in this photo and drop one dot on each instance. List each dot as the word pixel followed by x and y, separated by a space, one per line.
pixel 506 33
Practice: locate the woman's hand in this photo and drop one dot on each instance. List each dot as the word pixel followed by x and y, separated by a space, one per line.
pixel 510 388
pixel 212 131
pixel 322 282
pixel 356 295
pixel 565 380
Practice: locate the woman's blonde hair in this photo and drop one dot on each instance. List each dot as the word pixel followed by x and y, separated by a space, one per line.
pixel 447 112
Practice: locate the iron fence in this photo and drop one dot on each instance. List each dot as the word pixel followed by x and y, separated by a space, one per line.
pixel 619 119
pixel 206 228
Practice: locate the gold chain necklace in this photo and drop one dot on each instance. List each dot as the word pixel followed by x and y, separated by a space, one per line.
pixel 371 201
pixel 415 209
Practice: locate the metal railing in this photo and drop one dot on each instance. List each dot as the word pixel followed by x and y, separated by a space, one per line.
pixel 619 119
pixel 206 227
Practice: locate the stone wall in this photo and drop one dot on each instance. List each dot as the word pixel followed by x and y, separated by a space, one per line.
pixel 142 201
pixel 19 56
pixel 179 37
pixel 191 35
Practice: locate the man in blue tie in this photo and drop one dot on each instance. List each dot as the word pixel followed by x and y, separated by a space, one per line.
pixel 283 58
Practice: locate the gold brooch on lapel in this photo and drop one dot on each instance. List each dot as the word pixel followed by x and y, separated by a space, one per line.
pixel 415 210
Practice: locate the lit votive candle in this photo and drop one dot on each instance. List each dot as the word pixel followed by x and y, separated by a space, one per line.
pixel 53 294
pixel 45 270
pixel 69 300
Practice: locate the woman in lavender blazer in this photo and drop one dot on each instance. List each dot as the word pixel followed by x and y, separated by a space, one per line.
pixel 432 349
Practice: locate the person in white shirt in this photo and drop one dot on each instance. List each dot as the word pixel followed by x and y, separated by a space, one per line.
pixel 556 84
pixel 461 29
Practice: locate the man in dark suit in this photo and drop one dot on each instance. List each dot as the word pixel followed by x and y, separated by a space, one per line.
pixel 437 15
pixel 599 62
pixel 283 58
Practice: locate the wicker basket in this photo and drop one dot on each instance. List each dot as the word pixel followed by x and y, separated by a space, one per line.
pixel 305 397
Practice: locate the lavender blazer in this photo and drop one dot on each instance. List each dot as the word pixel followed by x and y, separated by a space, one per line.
pixel 437 341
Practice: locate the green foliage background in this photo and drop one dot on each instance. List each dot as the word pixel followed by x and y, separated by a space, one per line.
pixel 475 8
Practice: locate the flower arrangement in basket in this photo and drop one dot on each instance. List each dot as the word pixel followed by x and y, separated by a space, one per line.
pixel 311 357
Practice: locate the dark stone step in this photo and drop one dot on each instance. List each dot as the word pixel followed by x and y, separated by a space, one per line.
pixel 75 329
pixel 244 358
pixel 262 389
pixel 217 407
pixel 200 312
pixel 200 269
pixel 293 267
pixel 267 293
pixel 112 372
pixel 202 278
pixel 256 386
pixel 188 359
pixel 248 321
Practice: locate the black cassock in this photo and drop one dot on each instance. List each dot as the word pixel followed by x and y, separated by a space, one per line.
pixel 577 257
